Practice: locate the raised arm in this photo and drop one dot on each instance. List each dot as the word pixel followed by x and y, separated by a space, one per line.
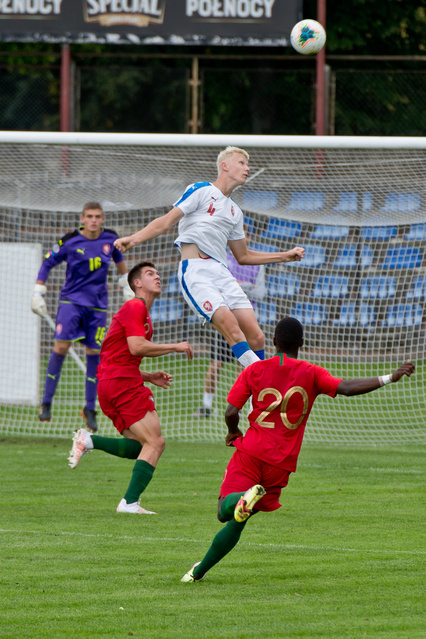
pixel 361 386
pixel 128 294
pixel 155 228
pixel 244 255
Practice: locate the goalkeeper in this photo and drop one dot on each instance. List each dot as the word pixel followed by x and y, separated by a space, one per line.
pixel 123 396
pixel 283 390
pixel 209 220
pixel 82 311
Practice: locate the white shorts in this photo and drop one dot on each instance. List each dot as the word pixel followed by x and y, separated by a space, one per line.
pixel 207 284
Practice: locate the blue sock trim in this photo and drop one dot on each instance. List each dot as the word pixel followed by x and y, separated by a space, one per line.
pixel 240 348
pixel 260 354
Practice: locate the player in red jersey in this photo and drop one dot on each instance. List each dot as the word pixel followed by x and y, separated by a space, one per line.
pixel 122 394
pixel 283 390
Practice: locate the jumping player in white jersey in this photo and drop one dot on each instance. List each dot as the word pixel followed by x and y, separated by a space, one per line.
pixel 209 220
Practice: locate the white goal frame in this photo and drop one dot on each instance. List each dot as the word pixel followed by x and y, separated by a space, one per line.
pixel 355 331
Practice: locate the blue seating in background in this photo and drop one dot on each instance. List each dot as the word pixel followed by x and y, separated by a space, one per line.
pixel 418 288
pixel 401 203
pixel 264 248
pixel 167 309
pixel 402 257
pixel 315 257
pixel 347 257
pixel 333 286
pixel 367 201
pixel 407 315
pixel 263 200
pixel 367 315
pixel 306 201
pixel 348 203
pixel 283 285
pixel 379 232
pixel 250 225
pixel 173 287
pixel 378 287
pixel 267 313
pixel 310 314
pixel 347 315
pixel 282 229
pixel 416 232
pixel 328 232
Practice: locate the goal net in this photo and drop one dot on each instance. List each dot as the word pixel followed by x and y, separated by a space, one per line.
pixel 357 205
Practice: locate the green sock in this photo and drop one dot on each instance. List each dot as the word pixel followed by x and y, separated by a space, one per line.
pixel 222 544
pixel 141 476
pixel 228 504
pixel 128 448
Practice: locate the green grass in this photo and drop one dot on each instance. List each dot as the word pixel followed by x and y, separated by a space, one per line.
pixel 394 415
pixel 342 558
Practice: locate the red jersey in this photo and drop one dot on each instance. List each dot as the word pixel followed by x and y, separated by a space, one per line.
pixel 116 360
pixel 283 391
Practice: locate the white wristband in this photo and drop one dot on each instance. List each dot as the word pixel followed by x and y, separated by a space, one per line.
pixel 385 379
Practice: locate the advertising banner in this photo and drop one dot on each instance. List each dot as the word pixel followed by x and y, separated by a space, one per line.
pixel 179 22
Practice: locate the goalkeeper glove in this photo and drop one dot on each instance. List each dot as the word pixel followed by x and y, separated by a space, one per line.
pixel 38 305
pixel 127 291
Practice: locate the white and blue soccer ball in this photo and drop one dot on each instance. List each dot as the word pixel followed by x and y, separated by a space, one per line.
pixel 308 37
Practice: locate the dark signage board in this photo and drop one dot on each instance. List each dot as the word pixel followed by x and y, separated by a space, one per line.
pixel 179 22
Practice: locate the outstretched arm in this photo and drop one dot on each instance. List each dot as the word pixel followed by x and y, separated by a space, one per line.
pixel 155 228
pixel 141 347
pixel 361 386
pixel 244 255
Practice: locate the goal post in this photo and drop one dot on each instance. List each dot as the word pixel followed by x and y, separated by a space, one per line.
pixel 357 205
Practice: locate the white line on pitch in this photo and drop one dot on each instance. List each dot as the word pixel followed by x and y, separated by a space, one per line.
pixel 200 541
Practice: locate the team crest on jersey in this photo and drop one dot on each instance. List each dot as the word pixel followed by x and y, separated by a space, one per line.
pixel 232 211
pixel 52 251
pixel 207 305
pixel 106 248
pixel 59 328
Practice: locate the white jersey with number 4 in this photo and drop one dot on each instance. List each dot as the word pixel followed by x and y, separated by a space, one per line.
pixel 210 220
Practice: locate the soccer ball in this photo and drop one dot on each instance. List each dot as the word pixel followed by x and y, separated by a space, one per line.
pixel 308 37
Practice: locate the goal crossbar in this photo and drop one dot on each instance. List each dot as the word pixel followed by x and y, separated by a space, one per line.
pixel 357 205
pixel 206 140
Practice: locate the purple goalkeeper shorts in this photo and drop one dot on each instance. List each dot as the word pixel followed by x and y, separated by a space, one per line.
pixel 80 323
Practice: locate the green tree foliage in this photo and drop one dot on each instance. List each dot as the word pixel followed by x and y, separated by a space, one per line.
pixel 29 87
pixel 252 96
pixel 373 27
pixel 133 99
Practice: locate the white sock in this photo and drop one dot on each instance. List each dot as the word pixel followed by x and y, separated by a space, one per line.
pixel 208 400
pixel 247 358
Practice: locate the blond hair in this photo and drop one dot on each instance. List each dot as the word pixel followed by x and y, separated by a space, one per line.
pixel 227 153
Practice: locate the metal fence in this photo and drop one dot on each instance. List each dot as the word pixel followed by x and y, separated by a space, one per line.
pixel 243 96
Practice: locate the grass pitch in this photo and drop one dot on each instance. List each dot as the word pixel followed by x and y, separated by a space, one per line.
pixel 342 558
